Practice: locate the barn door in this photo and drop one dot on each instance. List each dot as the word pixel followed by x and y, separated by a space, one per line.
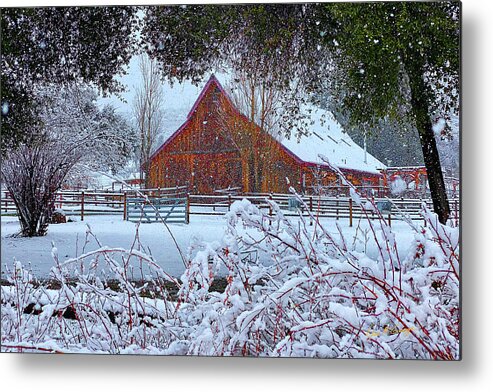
pixel 213 175
pixel 204 176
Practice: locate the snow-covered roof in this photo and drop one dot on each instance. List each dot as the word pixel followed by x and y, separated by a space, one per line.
pixel 326 137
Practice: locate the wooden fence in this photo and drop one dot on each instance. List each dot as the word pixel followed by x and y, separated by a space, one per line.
pixel 319 206
pixel 93 202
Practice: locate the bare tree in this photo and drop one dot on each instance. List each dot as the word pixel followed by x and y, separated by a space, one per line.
pixel 273 111
pixel 33 175
pixel 255 98
pixel 148 111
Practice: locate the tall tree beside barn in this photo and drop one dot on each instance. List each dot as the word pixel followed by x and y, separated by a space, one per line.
pixel 383 56
pixel 401 60
pixel 148 111
pixel 254 98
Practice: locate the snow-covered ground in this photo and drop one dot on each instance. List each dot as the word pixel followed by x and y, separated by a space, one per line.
pixel 112 231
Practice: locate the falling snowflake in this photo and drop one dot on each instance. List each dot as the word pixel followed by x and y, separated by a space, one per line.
pixel 5 108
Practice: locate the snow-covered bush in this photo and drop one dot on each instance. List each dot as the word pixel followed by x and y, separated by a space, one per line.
pixel 308 294
pixel 318 298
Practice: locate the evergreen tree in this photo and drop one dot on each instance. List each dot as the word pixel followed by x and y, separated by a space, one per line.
pixel 58 45
pixel 401 61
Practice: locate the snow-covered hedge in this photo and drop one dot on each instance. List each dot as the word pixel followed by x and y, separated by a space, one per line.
pixel 308 294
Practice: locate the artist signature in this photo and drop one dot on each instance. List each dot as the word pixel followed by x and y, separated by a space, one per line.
pixel 389 331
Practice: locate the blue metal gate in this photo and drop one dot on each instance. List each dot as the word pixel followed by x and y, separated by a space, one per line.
pixel 170 210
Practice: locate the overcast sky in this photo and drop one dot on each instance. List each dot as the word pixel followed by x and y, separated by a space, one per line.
pixel 178 98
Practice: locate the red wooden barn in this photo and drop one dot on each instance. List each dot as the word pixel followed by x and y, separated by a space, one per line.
pixel 217 147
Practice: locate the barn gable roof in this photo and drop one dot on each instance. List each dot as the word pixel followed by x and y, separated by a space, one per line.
pixel 326 137
pixel 211 83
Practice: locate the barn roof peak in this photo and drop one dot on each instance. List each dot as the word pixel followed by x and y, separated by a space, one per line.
pixel 211 83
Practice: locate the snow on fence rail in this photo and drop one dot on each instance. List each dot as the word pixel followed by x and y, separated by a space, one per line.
pixel 93 202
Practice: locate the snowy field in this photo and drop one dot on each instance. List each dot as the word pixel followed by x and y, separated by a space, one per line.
pixel 112 231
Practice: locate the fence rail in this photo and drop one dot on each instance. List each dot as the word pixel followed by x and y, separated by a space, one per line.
pixel 93 202
pixel 319 206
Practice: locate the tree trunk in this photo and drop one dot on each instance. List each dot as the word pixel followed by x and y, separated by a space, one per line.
pixel 260 173
pixel 34 209
pixel 251 172
pixel 420 105
pixel 147 170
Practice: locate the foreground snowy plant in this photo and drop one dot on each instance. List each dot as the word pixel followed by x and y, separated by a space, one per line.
pixel 291 289
pixel 98 304
pixel 317 298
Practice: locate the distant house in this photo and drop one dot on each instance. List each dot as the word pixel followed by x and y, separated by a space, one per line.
pixel 414 177
pixel 132 181
pixel 208 157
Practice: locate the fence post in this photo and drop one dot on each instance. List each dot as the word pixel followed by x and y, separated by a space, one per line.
pixel 82 206
pixel 187 214
pixel 270 206
pixel 350 212
pixel 229 202
pixel 390 219
pixel 311 204
pixel 337 207
pixel 125 205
